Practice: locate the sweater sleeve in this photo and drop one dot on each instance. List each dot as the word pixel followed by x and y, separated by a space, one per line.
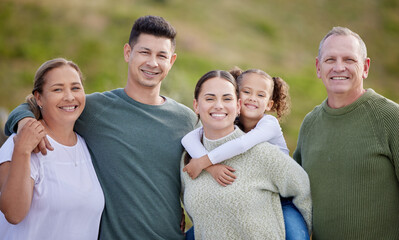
pixel 291 180
pixel 301 137
pixel 266 129
pixel 391 126
pixel 20 112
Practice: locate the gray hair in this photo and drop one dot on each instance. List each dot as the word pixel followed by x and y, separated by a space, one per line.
pixel 343 31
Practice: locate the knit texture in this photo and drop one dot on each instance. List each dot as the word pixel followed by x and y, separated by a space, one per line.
pixel 352 157
pixel 250 208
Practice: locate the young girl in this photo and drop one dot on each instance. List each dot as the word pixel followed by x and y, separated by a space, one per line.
pixel 259 93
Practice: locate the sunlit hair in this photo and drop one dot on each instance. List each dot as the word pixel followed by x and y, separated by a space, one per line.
pixel 153 25
pixel 343 31
pixel 40 80
pixel 280 91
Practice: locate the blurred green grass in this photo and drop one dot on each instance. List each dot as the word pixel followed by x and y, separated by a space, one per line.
pixel 280 37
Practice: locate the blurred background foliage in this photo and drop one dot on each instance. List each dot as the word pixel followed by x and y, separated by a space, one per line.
pixel 280 37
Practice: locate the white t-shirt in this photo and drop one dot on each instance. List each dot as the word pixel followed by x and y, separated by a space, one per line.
pixel 266 130
pixel 67 198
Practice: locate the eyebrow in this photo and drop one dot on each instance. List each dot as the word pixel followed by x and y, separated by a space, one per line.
pixel 61 84
pixel 213 95
pixel 148 49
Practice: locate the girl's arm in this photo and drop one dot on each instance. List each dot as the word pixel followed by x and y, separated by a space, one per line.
pixel 192 143
pixel 16 182
pixel 266 130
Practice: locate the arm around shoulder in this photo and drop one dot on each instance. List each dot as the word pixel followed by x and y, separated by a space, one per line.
pixel 20 112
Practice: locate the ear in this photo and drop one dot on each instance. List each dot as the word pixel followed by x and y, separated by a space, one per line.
pixel 38 98
pixel 239 106
pixel 269 105
pixel 195 106
pixel 127 50
pixel 318 67
pixel 366 68
pixel 173 59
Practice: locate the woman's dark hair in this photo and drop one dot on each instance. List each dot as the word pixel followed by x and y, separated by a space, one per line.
pixel 213 74
pixel 40 80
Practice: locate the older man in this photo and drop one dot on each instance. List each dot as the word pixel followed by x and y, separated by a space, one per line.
pixel 349 146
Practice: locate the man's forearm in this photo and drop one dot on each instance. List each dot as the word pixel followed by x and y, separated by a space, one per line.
pixel 19 113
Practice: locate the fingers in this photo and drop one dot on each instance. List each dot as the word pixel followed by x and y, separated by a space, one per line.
pixel 42 147
pixel 230 174
pixel 221 183
pixel 36 150
pixel 48 145
pixel 230 169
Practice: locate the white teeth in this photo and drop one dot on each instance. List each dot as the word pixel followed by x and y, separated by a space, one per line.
pixel 70 108
pixel 250 106
pixel 150 73
pixel 218 115
pixel 339 78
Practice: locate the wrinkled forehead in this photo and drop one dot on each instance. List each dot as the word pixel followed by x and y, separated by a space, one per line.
pixel 341 45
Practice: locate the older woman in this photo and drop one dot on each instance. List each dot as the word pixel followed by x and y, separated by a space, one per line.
pixel 250 208
pixel 53 196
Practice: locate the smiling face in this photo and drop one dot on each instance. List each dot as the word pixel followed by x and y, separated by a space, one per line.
pixel 341 67
pixel 149 60
pixel 62 98
pixel 255 94
pixel 217 106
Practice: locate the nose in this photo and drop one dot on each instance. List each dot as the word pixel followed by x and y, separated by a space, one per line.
pixel 252 97
pixel 339 66
pixel 68 96
pixel 218 104
pixel 152 61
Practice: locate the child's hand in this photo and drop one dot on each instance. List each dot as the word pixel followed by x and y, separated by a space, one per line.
pixel 196 165
pixel 223 174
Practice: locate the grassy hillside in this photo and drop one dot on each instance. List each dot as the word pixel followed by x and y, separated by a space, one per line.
pixel 280 37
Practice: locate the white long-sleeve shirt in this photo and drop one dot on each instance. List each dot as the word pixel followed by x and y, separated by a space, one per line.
pixel 266 130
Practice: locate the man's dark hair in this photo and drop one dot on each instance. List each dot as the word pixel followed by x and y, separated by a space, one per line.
pixel 152 25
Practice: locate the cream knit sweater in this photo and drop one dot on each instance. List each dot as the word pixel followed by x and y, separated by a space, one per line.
pixel 250 208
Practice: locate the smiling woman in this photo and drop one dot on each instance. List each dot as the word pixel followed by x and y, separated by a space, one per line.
pixel 249 208
pixel 53 196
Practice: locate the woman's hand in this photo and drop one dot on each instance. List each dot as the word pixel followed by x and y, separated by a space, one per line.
pixel 223 174
pixel 29 136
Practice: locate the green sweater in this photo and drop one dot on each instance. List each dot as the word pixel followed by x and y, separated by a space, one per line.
pixel 352 157
pixel 136 152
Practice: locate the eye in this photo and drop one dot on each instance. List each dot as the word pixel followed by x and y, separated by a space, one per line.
pixel 163 56
pixel 57 90
pixel 144 52
pixel 261 95
pixel 329 60
pixel 76 88
pixel 208 99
